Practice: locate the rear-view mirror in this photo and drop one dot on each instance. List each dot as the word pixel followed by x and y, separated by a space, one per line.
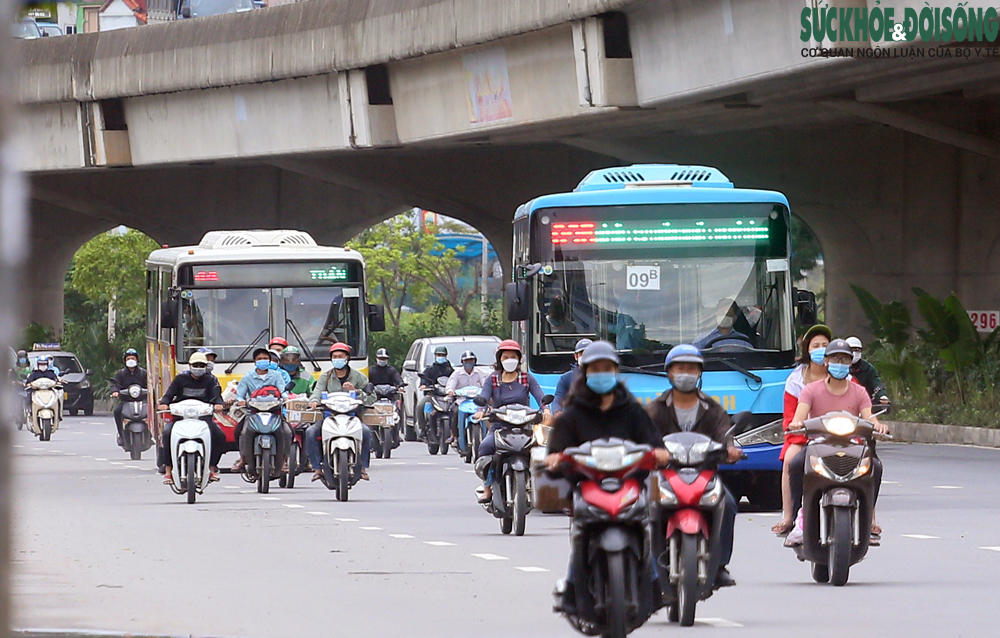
pixel 409 365
pixel 547 399
pixel 480 401
pixel 168 314
pixel 516 301
pixel 376 317
pixel 805 304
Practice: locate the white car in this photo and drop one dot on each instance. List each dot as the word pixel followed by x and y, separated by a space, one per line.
pixel 421 355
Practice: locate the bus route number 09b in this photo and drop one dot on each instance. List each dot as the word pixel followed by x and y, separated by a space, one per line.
pixel 642 278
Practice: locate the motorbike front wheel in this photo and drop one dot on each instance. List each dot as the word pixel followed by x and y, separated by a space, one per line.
pixel 343 475
pixel 444 431
pixel 520 503
pixel 190 462
pixel 840 547
pixel 293 462
pixel 135 452
pixel 687 586
pixel 615 608
pixel 264 472
pixel 46 429
pixel 386 443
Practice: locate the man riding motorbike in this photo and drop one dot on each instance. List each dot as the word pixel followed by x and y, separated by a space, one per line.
pixel 340 378
pixel 262 376
pixel 463 377
pixel 428 379
pixel 383 373
pixel 291 363
pixel 685 408
pixel 599 406
pixel 131 374
pixel 865 373
pixel 567 378
pixel 195 383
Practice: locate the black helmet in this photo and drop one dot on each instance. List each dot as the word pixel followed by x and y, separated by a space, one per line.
pixel 382 353
pixel 441 350
pixel 131 352
pixel 468 354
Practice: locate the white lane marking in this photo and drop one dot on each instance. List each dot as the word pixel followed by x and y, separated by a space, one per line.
pixel 348 520
pixel 86 456
pixel 105 434
pixel 319 513
pixel 439 543
pixel 890 482
pixel 531 569
pixel 370 528
pixel 270 498
pixel 294 506
pixel 18 446
pixel 133 467
pixel 425 463
pixel 490 557
pixel 400 463
pixel 78 433
pixel 452 468
pixel 37 448
pixel 230 487
pixel 69 453
pixel 920 537
pixel 717 622
pixel 99 459
pixel 470 471
pixel 992 549
pixel 248 491
pixel 947 487
pixel 117 463
pixel 400 536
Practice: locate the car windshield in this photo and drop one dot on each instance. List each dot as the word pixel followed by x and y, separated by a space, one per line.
pixel 202 8
pixel 26 29
pixel 485 352
pixel 66 364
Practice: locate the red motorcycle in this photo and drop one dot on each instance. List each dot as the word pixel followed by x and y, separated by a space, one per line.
pixel 610 589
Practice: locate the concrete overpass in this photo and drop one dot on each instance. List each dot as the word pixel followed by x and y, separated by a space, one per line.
pixel 332 115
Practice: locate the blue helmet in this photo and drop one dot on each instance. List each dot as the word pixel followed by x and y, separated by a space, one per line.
pixel 684 352
pixel 206 351
pixel 582 344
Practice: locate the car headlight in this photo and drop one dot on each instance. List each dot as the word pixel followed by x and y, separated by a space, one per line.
pixel 840 425
pixel 84 384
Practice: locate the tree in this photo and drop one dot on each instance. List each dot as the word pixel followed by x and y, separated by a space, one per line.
pixel 806 250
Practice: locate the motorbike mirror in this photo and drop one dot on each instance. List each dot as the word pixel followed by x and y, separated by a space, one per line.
pixel 547 399
pixel 742 421
pixel 290 386
pixel 368 389
pixel 88 372
pixel 480 401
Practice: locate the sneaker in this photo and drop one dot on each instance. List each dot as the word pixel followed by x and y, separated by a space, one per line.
pixel 724 579
pixel 794 537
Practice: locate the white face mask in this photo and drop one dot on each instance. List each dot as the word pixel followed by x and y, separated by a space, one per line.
pixel 509 365
pixel 855 357
pixel 131 363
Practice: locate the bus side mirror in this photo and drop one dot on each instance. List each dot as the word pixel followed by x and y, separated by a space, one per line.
pixel 168 314
pixel 376 317
pixel 186 10
pixel 805 303
pixel 516 301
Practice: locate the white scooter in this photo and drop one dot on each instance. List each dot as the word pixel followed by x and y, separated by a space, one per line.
pixel 190 447
pixel 46 407
pixel 342 438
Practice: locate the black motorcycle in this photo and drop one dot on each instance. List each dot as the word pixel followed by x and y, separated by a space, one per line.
pixel 136 436
pixel 511 465
pixel 383 419
pixel 438 417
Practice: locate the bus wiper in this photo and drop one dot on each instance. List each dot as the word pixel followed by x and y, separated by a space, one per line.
pixel 640 370
pixel 302 344
pixel 732 366
pixel 239 359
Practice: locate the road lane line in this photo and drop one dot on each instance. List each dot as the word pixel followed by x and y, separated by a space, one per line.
pixel 230 487
pixel 490 557
pixel 439 543
pixel 18 446
pixel 947 487
pixel 117 463
pixel 105 434
pixel 133 467
pixel 890 482
pixel 531 569
pixel 270 498
pixel 400 536
pixel 470 471
pixel 370 528
pixel 99 459
pixel 992 549
pixel 717 622
pixel 293 506
pixel 78 433
pixel 452 468
pixel 426 463
pixel 319 513
pixel 920 537
pixel 400 463
pixel 348 520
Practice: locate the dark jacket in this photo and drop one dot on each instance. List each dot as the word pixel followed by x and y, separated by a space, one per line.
pixel 127 377
pixel 712 420
pixel 185 386
pixel 38 374
pixel 582 420
pixel 388 375
pixel 563 386
pixel 431 373
pixel 868 376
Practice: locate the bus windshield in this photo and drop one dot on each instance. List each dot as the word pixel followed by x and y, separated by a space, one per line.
pixel 712 275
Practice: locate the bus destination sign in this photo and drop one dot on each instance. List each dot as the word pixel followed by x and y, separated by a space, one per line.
pixel 743 231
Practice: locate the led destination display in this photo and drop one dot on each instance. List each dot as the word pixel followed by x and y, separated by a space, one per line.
pixel 743 231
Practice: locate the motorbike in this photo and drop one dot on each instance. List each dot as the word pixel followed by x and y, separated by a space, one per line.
pixel 136 437
pixel 264 420
pixel 470 430
pixel 46 407
pixel 511 465
pixel 438 411
pixel 838 497
pixel 298 460
pixel 687 522
pixel 611 577
pixel 190 447
pixel 383 419
pixel 342 436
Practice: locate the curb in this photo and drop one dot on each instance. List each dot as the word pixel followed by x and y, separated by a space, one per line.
pixel 953 434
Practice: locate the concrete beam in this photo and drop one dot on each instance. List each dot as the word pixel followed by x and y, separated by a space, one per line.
pixel 969 74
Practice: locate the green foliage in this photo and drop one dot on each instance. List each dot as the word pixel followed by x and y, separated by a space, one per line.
pixel 890 323
pixel 36 333
pixel 950 330
pixel 806 250
pixel 111 267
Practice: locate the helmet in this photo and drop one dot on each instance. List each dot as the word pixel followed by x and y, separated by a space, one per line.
pixel 198 357
pixel 22 353
pixel 468 354
pixel 340 347
pixel 818 329
pixel 838 346
pixel 44 358
pixel 599 351
pixel 206 351
pixel 581 345
pixel 292 350
pixel 684 352
pixel 508 345
pixel 382 353
pixel 441 350
pixel 278 341
pixel 855 343
pixel 131 352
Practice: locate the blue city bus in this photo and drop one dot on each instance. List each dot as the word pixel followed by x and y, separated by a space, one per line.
pixel 650 256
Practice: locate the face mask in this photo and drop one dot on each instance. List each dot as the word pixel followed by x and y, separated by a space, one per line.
pixel 131 363
pixel 22 361
pixel 441 360
pixel 602 382
pixel 339 363
pixel 838 370
pixel 855 357
pixel 509 365
pixel 290 368
pixel 262 364
pixel 686 383
pixel 382 363
pixel 818 355
pixel 468 366
pixel 726 323
pixel 43 367
pixel 211 366
pixel 198 372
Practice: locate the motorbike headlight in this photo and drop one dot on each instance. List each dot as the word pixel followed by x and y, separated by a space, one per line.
pixel 840 425
pixel 678 453
pixel 714 495
pixel 863 468
pixel 607 459
pixel 696 454
pixel 516 417
pixel 820 468
pixel 134 392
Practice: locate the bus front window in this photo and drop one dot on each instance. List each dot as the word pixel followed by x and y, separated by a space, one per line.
pixel 226 320
pixel 324 316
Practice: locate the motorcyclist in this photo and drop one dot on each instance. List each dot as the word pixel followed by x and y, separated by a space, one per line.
pixel 277 344
pixel 291 362
pixel 599 407
pixel 194 383
pixel 685 408
pixel 463 377
pixel 340 378
pixel 275 355
pixel 866 374
pixel 505 386
pixel 262 376
pixel 22 367
pixel 43 370
pixel 131 374
pixel 567 378
pixel 836 393
pixel 383 373
pixel 441 367
pixel 211 356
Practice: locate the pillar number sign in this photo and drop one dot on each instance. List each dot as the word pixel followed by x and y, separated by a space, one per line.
pixel 985 320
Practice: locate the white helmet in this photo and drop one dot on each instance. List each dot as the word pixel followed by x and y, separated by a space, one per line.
pixel 854 343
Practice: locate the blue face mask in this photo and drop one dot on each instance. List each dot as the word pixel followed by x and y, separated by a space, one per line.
pixel 602 382
pixel 468 366
pixel 339 363
pixel 23 361
pixel 818 355
pixel 290 368
pixel 441 360
pixel 838 370
pixel 262 364
pixel 274 366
